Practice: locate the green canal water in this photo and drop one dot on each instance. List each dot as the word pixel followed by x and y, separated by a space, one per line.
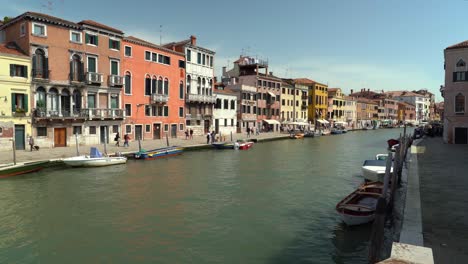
pixel 271 204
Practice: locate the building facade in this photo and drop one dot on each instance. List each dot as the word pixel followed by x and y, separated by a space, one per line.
pixel 199 79
pixel 287 102
pixel 421 102
pixel 317 103
pixel 350 111
pixel 366 113
pixel 154 90
pixel 246 104
pixel 406 113
pixel 336 105
pixel 15 85
pixel 225 112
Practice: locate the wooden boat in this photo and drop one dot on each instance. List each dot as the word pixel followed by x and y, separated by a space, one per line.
pixel 11 169
pixel 158 153
pixel 223 145
pixel 95 159
pixel 359 206
pixel 374 170
pixel 296 136
pixel 309 134
pixel 336 131
pixel 243 145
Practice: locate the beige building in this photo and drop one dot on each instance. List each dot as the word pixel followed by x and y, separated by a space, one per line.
pixel 336 105
pixel 350 111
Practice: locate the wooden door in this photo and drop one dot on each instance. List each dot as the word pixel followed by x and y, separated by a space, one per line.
pixel 461 135
pixel 138 132
pixel 174 130
pixel 60 137
pixel 156 131
pixel 19 137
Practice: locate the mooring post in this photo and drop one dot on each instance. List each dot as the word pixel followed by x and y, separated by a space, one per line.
pixel 167 139
pixel 76 142
pixel 231 136
pixel 14 151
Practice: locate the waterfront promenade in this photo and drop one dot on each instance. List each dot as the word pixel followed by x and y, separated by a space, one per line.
pixel 56 153
pixel 443 171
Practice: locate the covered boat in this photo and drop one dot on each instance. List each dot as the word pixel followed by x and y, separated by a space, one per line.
pixel 158 153
pixel 95 159
pixel 11 169
pixel 336 131
pixel 223 145
pixel 310 133
pixel 359 206
pixel 374 170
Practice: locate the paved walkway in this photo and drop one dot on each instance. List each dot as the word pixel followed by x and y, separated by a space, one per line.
pixel 443 171
pixel 55 153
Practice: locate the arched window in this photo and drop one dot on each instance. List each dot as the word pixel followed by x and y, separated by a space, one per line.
pixel 199 85
pixel 52 101
pixel 40 65
pixel 65 101
pixel 41 98
pixel 189 82
pixel 166 86
pixel 459 103
pixel 160 86
pixel 76 71
pixel 128 83
pixel 203 86
pixel 461 63
pixel 181 90
pixel 153 85
pixel 148 85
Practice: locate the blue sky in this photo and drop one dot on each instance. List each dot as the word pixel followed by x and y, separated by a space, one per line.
pixel 351 44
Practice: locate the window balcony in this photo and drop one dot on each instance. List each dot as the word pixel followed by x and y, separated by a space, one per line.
pixel 43 113
pixel 76 77
pixel 93 78
pixel 199 98
pixel 159 98
pixel 104 113
pixel 248 102
pixel 40 74
pixel 304 107
pixel 115 81
pixel 193 117
pixel 304 97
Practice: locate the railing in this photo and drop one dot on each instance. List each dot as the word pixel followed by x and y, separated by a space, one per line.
pixel 104 113
pixel 93 77
pixel 57 114
pixel 193 117
pixel 76 77
pixel 248 102
pixel 40 74
pixel 253 61
pixel 159 98
pixel 115 80
pixel 199 98
pixel 304 97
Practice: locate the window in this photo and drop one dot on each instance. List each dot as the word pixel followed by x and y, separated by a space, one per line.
pixel 160 86
pixel 76 130
pixel 232 122
pixel 76 69
pixel 459 103
pixel 459 76
pixel 166 111
pixel 40 64
pixel 211 61
pixel 92 130
pixel 154 57
pixel 225 122
pixel 147 128
pixel 128 110
pixel 181 112
pixel 199 57
pixel 189 55
pixel 128 51
pixel 181 90
pixel 92 64
pixel 19 103
pixel 147 110
pixel 148 85
pixel 283 102
pixel 204 59
pixel 91 100
pixel 114 67
pixel 182 64
pixel 181 127
pixel 75 36
pixel 147 55
pixel 114 44
pixel 91 39
pixel 226 104
pixel 39 30
pixel 128 129
pixel 128 83
pixel 461 63
pixel 22 29
pixel 115 128
pixel 41 131
pixel 18 70
pixel 233 104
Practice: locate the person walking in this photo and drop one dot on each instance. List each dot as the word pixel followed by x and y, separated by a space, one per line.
pixel 213 136
pixel 191 133
pixel 208 136
pixel 248 132
pixel 126 138
pixel 186 134
pixel 31 142
pixel 117 139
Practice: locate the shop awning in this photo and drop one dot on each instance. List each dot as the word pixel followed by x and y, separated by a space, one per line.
pixel 341 122
pixel 323 121
pixel 272 94
pixel 271 121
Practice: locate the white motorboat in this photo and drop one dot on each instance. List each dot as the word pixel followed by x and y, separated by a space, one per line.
pixel 359 206
pixel 374 170
pixel 381 156
pixel 95 159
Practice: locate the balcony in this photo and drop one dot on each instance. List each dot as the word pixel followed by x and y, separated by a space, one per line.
pixel 76 77
pixel 304 97
pixel 103 113
pixel 159 98
pixel 248 102
pixel 199 98
pixel 43 113
pixel 40 74
pixel 115 81
pixel 193 117
pixel 93 78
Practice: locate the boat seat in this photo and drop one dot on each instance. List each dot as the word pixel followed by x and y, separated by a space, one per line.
pixel 370 193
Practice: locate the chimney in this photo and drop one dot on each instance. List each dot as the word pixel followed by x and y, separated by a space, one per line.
pixel 193 40
pixel 368 90
pixel 271 73
pixel 224 71
pixel 351 91
pixel 233 80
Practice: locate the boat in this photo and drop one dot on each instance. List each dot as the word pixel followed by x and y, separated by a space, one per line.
pixel 223 145
pixel 344 130
pixel 296 136
pixel 374 170
pixel 336 131
pixel 359 207
pixel 393 148
pixel 243 145
pixel 381 156
pixel 391 142
pixel 12 169
pixel 95 159
pixel 158 153
pixel 309 134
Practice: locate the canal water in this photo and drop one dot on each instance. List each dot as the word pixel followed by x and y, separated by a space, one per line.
pixel 271 204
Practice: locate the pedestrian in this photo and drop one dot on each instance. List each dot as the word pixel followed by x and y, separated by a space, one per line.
pixel 126 138
pixel 31 142
pixel 248 132
pixel 117 139
pixel 186 134
pixel 257 132
pixel 208 136
pixel 191 133
pixel 213 136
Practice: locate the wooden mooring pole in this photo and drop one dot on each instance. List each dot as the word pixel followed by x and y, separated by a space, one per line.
pixel 14 151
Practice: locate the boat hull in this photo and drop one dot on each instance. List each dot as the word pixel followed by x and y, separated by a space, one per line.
pixel 21 168
pixel 352 220
pixel 84 161
pixel 245 146
pixel 224 145
pixel 159 153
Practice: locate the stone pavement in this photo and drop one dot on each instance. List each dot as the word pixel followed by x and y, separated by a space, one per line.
pixel 55 153
pixel 443 172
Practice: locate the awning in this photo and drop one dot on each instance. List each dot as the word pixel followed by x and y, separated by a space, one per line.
pixel 300 123
pixel 323 121
pixel 271 122
pixel 341 122
pixel 272 94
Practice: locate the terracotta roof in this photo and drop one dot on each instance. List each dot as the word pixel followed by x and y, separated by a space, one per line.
pixel 142 42
pixel 12 49
pixel 307 81
pixel 460 45
pixel 349 98
pixel 333 89
pixel 402 93
pixel 180 43
pixel 99 25
pixel 225 91
pixel 406 104
pixel 42 17
pixel 365 100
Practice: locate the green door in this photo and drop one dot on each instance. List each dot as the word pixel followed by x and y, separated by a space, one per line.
pixel 20 139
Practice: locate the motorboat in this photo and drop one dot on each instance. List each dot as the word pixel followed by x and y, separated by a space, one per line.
pixel 158 153
pixel 359 207
pixel 297 136
pixel 374 170
pixel 95 159
pixel 243 145
pixel 309 133
pixel 223 145
pixel 381 156
pixel 12 169
pixel 336 131
pixel 391 142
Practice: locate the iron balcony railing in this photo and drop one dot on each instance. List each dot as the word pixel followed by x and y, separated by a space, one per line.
pixel 40 74
pixel 93 77
pixel 159 98
pixel 104 113
pixel 116 80
pixel 57 113
pixel 199 98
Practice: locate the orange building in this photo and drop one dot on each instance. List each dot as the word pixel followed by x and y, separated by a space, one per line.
pixel 153 95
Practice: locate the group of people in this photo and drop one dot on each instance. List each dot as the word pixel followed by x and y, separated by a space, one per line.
pixel 189 134
pixel 117 140
pixel 252 131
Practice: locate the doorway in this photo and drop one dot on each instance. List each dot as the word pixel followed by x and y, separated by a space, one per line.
pixel 217 126
pixel 174 130
pixel 207 126
pixel 20 140
pixel 461 135
pixel 104 134
pixel 138 132
pixel 156 131
pixel 60 137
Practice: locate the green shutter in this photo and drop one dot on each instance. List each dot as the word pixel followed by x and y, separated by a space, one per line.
pixel 118 45
pixel 26 72
pixel 34 66
pixel 25 103
pixel 97 40
pixel 12 70
pixel 110 43
pixel 46 68
pixel 86 38
pixel 13 102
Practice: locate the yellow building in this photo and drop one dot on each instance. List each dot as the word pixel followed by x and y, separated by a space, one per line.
pixel 15 117
pixel 294 102
pixel 317 103
pixel 287 102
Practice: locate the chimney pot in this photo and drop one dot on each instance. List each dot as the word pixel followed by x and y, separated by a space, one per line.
pixel 193 40
pixel 271 73
pixel 351 91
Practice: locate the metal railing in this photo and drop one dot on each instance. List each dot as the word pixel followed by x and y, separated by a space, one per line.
pixel 209 99
pixel 40 74
pixel 115 80
pixel 104 113
pixel 57 114
pixel 159 98
pixel 93 77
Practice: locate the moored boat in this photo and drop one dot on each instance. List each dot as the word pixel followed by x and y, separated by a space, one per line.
pixel 296 136
pixel 381 156
pixel 359 206
pixel 243 145
pixel 223 145
pixel 95 159
pixel 158 153
pixel 374 170
pixel 336 131
pixel 309 134
pixel 11 169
